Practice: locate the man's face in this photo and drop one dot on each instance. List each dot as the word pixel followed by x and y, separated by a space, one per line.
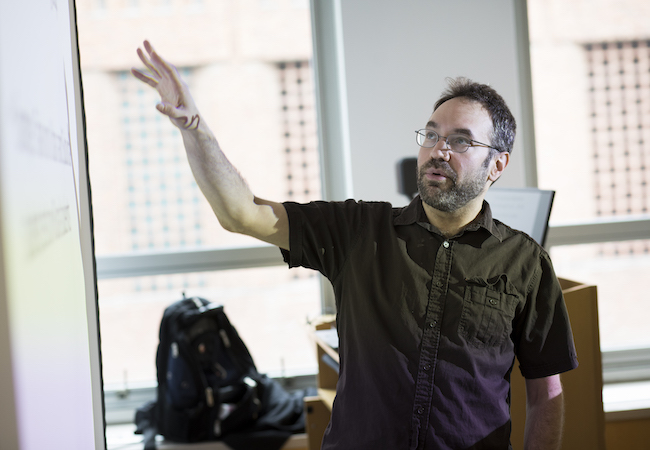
pixel 447 181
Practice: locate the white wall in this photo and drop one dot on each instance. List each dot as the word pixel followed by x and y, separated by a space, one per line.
pixel 382 64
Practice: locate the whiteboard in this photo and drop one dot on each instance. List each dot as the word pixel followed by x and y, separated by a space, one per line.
pixel 51 380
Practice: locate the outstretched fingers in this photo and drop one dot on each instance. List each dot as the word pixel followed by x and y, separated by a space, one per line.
pixel 159 65
pixel 144 77
pixel 176 102
pixel 153 77
pixel 148 63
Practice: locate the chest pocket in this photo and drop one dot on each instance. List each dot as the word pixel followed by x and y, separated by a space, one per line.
pixel 488 311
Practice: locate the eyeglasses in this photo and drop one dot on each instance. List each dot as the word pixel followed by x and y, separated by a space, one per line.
pixel 457 143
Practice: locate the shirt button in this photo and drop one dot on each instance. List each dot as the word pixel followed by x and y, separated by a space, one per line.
pixel 445 244
pixel 427 367
pixel 420 410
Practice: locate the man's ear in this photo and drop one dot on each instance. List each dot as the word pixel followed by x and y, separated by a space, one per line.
pixel 499 164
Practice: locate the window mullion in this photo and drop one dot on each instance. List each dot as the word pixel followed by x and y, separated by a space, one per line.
pixel 616 229
pixel 167 262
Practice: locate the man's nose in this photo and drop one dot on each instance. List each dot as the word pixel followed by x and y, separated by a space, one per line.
pixel 441 150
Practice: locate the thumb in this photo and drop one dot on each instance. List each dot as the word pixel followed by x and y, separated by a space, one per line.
pixel 173 113
pixel 178 117
pixel 167 110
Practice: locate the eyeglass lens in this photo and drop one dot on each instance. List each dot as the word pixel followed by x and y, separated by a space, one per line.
pixel 456 142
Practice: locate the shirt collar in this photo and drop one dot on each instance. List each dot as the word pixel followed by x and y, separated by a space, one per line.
pixel 414 213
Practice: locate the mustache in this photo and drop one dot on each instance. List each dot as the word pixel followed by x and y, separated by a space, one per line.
pixel 440 166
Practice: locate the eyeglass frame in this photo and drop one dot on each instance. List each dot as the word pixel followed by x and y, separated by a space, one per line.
pixel 473 143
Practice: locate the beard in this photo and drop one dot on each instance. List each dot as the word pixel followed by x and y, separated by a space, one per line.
pixel 458 194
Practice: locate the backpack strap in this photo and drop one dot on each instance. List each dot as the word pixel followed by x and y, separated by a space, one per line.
pixel 233 343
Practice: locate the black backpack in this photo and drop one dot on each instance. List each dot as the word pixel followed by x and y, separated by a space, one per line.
pixel 209 387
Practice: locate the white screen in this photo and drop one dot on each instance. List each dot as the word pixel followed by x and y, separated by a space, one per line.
pixel 48 292
pixel 525 209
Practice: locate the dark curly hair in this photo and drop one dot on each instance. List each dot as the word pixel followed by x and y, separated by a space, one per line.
pixel 503 123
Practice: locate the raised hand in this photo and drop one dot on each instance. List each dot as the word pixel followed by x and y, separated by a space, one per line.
pixel 236 207
pixel 175 99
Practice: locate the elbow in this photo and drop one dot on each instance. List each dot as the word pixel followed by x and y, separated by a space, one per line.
pixel 231 226
pixel 238 224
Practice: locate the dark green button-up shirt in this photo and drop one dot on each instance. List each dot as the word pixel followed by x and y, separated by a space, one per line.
pixel 429 326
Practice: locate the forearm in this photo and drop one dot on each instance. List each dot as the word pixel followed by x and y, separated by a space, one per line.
pixel 544 421
pixel 219 181
pixel 234 204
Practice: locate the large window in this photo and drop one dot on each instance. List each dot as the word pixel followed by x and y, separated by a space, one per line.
pixel 591 89
pixel 156 237
pixel 619 107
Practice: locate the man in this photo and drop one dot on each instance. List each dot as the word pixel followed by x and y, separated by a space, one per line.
pixel 434 300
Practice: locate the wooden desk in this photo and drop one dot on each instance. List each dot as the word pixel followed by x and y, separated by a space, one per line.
pixel 319 408
pixel 584 419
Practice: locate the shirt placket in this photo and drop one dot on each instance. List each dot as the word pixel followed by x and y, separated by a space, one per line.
pixel 429 348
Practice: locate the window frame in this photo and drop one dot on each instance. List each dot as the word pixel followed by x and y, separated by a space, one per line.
pixel 164 262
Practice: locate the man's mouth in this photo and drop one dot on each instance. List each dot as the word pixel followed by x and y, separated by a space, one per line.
pixel 434 173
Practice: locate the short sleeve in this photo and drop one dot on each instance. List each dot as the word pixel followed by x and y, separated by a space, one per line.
pixel 543 338
pixel 321 234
